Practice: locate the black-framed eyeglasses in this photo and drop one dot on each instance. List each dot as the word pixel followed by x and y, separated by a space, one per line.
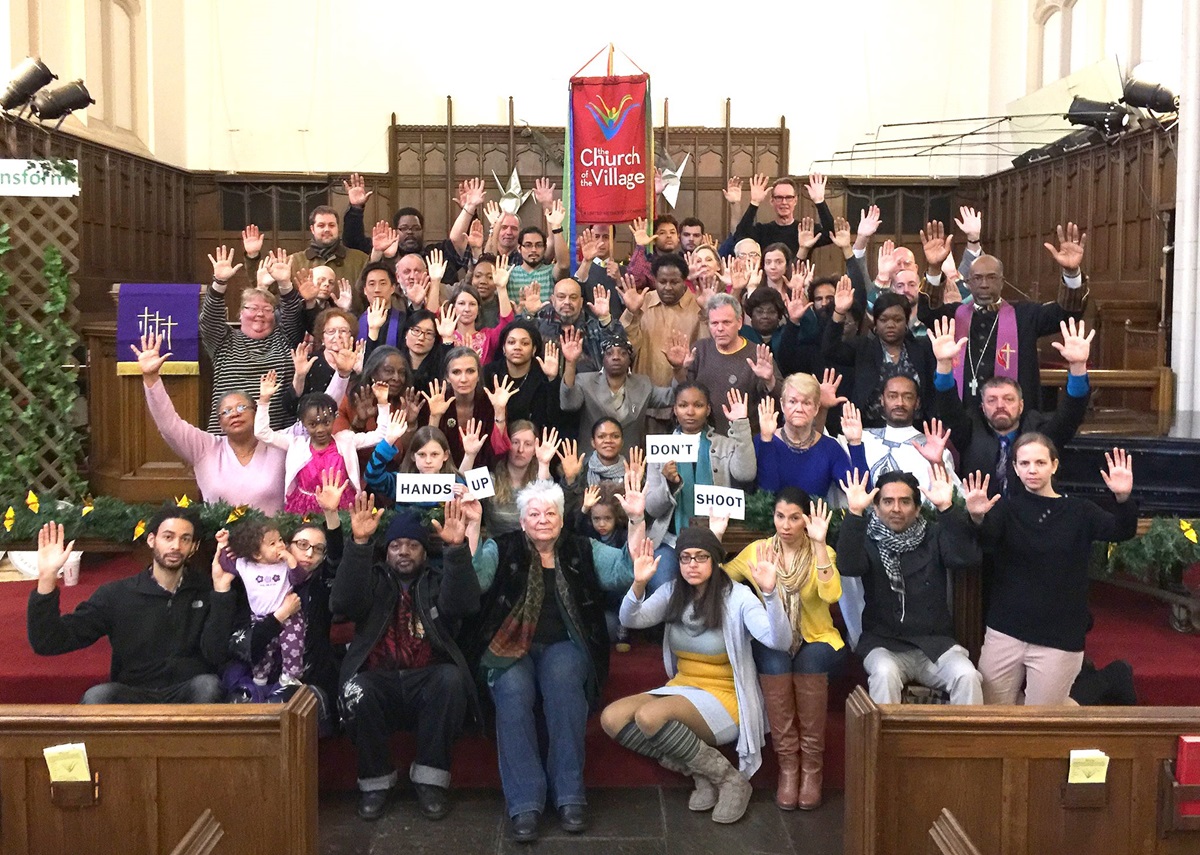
pixel 695 558
pixel 304 546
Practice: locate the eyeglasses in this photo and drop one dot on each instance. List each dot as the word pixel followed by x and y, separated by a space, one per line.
pixel 695 558
pixel 305 546
pixel 779 198
pixel 749 255
pixel 334 333
pixel 236 408
pixel 257 311
pixel 420 332
pixel 538 245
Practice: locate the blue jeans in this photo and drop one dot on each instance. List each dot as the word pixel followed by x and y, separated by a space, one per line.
pixel 558 673
pixel 813 657
pixel 668 568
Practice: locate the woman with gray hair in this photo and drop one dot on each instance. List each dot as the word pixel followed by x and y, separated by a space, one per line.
pixel 541 633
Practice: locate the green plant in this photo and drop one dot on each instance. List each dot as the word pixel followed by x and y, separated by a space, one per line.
pixel 1159 556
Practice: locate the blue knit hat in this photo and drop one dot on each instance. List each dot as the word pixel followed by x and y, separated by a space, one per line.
pixel 408 525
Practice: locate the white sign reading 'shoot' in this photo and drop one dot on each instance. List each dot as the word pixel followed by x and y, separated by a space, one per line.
pixel 720 502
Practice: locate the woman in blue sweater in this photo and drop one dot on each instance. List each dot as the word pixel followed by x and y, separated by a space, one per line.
pixel 799 454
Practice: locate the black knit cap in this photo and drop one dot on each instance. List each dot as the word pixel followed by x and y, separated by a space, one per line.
pixel 407 524
pixel 700 537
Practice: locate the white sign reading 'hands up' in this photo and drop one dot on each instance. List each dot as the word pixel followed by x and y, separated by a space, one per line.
pixel 719 502
pixel 480 483
pixel 413 487
pixel 672 446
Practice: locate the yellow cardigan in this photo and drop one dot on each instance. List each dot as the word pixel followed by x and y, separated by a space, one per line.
pixel 816 623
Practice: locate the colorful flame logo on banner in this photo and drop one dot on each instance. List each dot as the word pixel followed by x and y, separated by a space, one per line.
pixel 610 119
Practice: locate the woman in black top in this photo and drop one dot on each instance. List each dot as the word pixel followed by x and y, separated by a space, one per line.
pixel 423 348
pixel 1040 543
pixel 534 378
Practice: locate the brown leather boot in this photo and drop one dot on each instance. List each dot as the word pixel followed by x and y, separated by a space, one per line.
pixel 785 738
pixel 812 700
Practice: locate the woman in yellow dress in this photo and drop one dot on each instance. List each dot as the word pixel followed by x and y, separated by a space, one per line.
pixel 795 684
pixel 712 697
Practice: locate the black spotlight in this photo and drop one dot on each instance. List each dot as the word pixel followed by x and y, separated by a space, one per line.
pixel 27 78
pixel 57 103
pixel 1110 118
pixel 1152 96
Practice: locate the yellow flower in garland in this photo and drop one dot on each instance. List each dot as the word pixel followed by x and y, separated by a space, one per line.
pixel 237 513
pixel 88 506
pixel 1188 531
pixel 10 517
pixel 185 502
pixel 139 529
pixel 31 502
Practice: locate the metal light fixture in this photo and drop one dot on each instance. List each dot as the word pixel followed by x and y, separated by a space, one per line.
pixel 1110 118
pixel 61 101
pixel 1151 96
pixel 26 79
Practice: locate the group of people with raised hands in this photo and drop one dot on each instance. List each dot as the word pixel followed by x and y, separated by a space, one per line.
pixel 533 396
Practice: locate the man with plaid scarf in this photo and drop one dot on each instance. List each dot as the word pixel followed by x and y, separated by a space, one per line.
pixel 903 559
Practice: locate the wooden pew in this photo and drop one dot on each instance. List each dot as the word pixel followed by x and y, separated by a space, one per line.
pixel 1002 771
pixel 254 766
pixel 946 837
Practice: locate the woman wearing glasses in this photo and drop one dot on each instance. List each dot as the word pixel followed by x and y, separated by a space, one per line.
pixel 712 697
pixel 230 467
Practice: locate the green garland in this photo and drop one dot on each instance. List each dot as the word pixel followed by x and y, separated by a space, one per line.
pixel 113 521
pixel 1159 556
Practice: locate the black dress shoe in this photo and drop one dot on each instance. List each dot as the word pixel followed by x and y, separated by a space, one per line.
pixel 432 801
pixel 371 803
pixel 525 826
pixel 573 818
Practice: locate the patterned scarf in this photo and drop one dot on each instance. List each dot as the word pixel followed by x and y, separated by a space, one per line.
pixel 598 470
pixel 692 474
pixel 792 578
pixel 893 544
pixel 515 635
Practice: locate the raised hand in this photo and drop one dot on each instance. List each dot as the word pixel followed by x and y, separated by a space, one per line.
pixel 1119 477
pixel 588 246
pixel 475 236
pixel 940 491
pixel 737 406
pixel 396 427
pixel 222 265
pixel 842 237
pixel 852 427
pixel 975 493
pixel 280 265
pixel 601 304
pixel 252 241
pixel 543 192
pixel 148 358
pixel 52 555
pixel 555 214
pixel 571 344
pixel 946 347
pixel 453 528
pixel 547 446
pixel 816 523
pixel 762 364
pixel 302 363
pixel 356 190
pixel 765 575
pixel 885 264
pixel 493 213
pixel 365 408
pixel 501 270
pixel 936 243
pixel 706 287
pixel 798 304
pixel 349 359
pixel 531 298
pixel 303 280
pixel 678 350
pixel 590 497
pixel 263 279
pixel 645 565
pixel 733 191
pixel 640 236
pixel 344 296
pixel 843 297
pixel 858 498
pixel 436 264
pixel 384 238
pixel 766 418
pixel 437 400
pixel 268 385
pixel 934 447
pixel 806 233
pixel 447 322
pixel 830 381
pixel 412 405
pixel 500 392
pixel 739 275
pixel 970 222
pixel 1076 346
pixel 380 390
pixel 549 362
pixel 636 461
pixel 950 292
pixel 471 195
pixel 630 295
pixel 472 437
pixel 364 519
pixel 868 222
pixel 329 493
pixel 759 187
pixel 570 459
pixel 816 188
pixel 633 500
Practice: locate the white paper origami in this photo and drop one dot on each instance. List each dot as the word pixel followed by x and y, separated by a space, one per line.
pixel 671 179
pixel 511 197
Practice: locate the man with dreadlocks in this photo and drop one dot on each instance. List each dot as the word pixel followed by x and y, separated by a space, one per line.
pixel 907 630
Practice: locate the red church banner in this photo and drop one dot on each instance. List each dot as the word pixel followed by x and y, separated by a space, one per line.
pixel 611 148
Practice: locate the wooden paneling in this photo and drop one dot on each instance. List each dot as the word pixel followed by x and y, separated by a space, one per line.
pixel 1001 771
pixel 253 766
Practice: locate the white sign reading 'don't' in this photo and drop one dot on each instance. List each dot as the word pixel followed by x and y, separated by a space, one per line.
pixel 480 483
pixel 719 502
pixel 414 487
pixel 673 446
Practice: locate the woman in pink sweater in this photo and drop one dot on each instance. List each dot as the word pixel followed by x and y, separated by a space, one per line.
pixel 233 467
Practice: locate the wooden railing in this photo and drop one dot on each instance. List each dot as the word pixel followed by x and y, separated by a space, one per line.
pixel 1159 382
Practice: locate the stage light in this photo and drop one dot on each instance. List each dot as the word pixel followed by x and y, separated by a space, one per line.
pixel 26 79
pixel 59 102
pixel 1151 96
pixel 1110 118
